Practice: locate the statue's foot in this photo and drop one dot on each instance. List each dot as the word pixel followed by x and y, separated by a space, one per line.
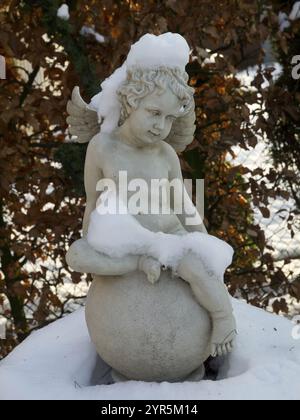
pixel 223 335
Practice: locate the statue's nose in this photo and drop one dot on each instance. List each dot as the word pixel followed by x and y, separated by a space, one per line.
pixel 159 124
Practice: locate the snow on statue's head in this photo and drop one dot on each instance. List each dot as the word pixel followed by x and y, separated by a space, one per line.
pixel 154 64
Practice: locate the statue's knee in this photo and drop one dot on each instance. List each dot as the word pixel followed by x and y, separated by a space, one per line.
pixel 188 268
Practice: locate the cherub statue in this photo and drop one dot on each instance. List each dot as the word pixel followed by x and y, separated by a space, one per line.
pixel 142 117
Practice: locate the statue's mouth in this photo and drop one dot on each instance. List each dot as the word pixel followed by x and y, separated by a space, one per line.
pixel 154 134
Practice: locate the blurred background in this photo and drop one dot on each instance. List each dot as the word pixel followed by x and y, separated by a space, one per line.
pixel 245 70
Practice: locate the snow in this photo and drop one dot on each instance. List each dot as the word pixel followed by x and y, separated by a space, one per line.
pixel 206 56
pixel 118 234
pixel 246 77
pixel 275 227
pixel 149 51
pixel 295 13
pixel 50 189
pixel 63 12
pixel 2 328
pixel 277 234
pixel 106 103
pixel 168 49
pixel 285 20
pixel 87 30
pixel 60 362
pixel 212 59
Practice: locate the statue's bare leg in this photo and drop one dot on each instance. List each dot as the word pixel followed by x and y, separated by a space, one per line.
pixel 212 294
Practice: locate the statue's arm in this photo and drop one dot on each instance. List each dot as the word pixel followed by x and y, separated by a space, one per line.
pixel 189 210
pixel 81 257
pixel 92 174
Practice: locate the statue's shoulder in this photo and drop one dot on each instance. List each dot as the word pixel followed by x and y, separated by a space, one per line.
pixel 100 143
pixel 169 151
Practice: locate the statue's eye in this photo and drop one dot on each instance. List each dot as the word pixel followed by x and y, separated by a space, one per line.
pixel 183 108
pixel 171 118
pixel 155 112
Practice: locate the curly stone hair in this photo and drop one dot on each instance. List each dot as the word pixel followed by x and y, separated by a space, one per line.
pixel 140 82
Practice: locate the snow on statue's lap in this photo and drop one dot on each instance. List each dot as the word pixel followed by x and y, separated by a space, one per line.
pixel 57 362
pixel 118 235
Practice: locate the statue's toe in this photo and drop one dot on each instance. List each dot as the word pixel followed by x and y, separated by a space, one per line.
pixel 229 347
pixel 224 349
pixel 214 350
pixel 220 350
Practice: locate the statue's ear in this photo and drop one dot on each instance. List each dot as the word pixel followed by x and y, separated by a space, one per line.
pixel 182 131
pixel 128 103
pixel 132 103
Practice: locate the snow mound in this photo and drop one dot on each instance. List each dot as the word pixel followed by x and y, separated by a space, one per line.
pixel 168 49
pixel 58 362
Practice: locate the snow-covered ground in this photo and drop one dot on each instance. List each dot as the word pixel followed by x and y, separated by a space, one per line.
pixel 59 362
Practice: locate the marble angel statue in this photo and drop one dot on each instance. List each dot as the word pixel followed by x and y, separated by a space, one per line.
pixel 158 306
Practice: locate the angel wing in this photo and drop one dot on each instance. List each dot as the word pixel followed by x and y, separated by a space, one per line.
pixel 182 131
pixel 83 121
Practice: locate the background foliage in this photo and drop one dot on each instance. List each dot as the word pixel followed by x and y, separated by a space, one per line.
pixel 41 191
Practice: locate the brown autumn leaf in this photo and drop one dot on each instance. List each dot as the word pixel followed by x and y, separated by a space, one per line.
pixel 280 306
pixel 265 212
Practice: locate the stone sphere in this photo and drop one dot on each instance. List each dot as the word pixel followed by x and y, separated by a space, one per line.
pixel 148 332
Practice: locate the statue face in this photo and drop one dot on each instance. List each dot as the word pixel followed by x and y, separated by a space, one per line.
pixel 151 122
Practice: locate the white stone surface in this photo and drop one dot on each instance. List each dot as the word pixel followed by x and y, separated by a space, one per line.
pixel 148 332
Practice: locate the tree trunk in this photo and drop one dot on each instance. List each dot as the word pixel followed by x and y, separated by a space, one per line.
pixel 16 302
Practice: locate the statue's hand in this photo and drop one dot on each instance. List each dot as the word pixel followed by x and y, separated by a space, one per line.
pixel 150 267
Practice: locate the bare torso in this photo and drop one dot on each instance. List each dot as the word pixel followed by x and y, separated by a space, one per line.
pixel 147 164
